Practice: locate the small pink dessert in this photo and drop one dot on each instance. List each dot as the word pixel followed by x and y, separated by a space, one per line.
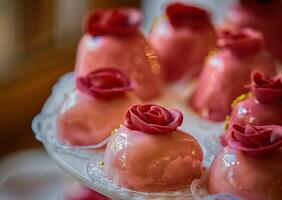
pixel 150 154
pixel 183 41
pixel 264 16
pixel 103 98
pixel 250 166
pixel 113 38
pixel 228 70
pixel 264 106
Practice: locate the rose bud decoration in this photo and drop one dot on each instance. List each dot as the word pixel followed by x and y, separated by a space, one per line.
pixel 262 106
pixel 256 141
pixel 266 90
pixel 228 70
pixel 123 21
pixel 89 117
pixel 150 154
pixel 252 152
pixel 262 15
pixel 104 83
pixel 183 40
pixel 112 38
pixel 160 119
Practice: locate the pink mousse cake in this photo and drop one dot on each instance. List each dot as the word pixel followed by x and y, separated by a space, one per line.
pixel 183 40
pixel 103 98
pixel 265 16
pixel 228 70
pixel 264 106
pixel 150 154
pixel 112 38
pixel 250 166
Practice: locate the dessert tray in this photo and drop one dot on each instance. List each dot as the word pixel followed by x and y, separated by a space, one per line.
pixel 85 163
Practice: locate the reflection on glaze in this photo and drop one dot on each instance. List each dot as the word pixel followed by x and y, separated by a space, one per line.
pixel 250 111
pixel 222 81
pixel 85 121
pixel 182 50
pixel 248 178
pixel 93 43
pixel 131 54
pixel 152 162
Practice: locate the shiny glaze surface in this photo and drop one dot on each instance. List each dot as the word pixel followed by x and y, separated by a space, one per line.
pixel 251 179
pixel 132 54
pixel 223 79
pixel 181 50
pixel 269 22
pixel 250 111
pixel 153 162
pixel 90 121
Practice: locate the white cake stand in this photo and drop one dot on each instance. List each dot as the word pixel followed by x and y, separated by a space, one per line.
pixel 84 163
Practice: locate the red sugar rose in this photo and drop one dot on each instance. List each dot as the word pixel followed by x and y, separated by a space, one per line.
pixel 266 90
pixel 106 83
pixel 241 42
pixel 256 141
pixel 181 15
pixel 121 21
pixel 154 119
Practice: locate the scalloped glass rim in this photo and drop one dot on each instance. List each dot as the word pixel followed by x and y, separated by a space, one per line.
pixel 44 124
pixel 206 133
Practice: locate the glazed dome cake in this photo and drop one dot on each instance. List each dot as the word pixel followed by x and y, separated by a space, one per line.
pixel 264 16
pixel 250 165
pixel 263 106
pixel 150 154
pixel 104 95
pixel 112 38
pixel 183 40
pixel 228 70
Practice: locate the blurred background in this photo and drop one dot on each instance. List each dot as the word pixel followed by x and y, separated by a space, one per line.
pixel 38 42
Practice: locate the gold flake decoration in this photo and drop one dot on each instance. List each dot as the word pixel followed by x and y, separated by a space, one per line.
pixel 227 121
pixel 240 99
pixel 114 131
pixel 212 53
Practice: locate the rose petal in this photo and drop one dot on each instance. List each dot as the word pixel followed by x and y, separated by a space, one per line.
pixel 241 42
pixel 256 141
pixel 266 90
pixel 138 117
pixel 121 21
pixel 181 15
pixel 105 84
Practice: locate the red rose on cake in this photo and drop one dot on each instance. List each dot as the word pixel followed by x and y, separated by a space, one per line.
pixel 149 153
pixel 183 40
pixel 103 96
pixel 228 70
pixel 112 38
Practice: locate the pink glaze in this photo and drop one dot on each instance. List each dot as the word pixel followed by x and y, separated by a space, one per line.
pixel 248 178
pixel 153 162
pixel 90 121
pixel 265 17
pixel 223 79
pixel 183 40
pixel 181 50
pixel 251 111
pixel 132 54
